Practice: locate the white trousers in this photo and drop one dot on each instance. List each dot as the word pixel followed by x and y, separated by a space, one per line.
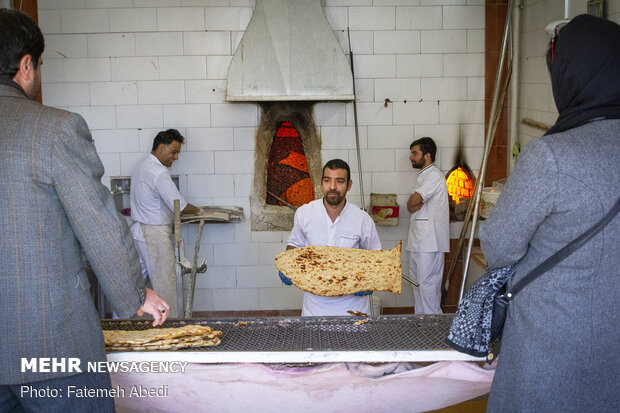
pixel 426 268
pixel 160 262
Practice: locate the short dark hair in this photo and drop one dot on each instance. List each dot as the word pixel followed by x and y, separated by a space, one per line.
pixel 166 137
pixel 338 164
pixel 19 36
pixel 427 145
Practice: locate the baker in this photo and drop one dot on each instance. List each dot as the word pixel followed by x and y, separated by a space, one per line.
pixel 152 198
pixel 334 222
pixel 429 230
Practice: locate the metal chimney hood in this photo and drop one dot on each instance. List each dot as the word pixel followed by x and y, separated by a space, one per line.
pixel 289 52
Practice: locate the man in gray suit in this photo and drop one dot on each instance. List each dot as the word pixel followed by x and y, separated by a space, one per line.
pixel 53 208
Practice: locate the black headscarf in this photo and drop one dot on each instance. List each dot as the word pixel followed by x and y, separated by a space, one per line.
pixel 585 72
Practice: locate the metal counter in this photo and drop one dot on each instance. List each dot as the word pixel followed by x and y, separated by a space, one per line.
pixel 413 338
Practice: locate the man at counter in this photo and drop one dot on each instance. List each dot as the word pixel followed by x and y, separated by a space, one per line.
pixel 334 222
pixel 54 208
pixel 152 198
pixel 429 230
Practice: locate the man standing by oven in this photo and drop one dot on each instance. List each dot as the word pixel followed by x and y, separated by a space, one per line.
pixel 152 198
pixel 334 222
pixel 429 230
pixel 54 208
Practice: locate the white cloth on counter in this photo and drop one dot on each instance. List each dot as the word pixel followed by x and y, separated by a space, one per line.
pixel 324 388
pixel 429 228
pixel 153 193
pixel 352 229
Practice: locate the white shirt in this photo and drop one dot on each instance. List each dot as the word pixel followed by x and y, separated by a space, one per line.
pixel 352 229
pixel 153 193
pixel 429 228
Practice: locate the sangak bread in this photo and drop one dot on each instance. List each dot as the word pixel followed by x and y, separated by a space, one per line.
pixel 152 334
pixel 153 339
pixel 184 339
pixel 167 346
pixel 335 271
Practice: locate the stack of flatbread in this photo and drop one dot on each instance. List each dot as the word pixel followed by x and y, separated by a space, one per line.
pixel 154 339
pixel 335 271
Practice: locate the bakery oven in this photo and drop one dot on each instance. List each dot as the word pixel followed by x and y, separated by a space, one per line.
pixel 287 60
pixel 287 164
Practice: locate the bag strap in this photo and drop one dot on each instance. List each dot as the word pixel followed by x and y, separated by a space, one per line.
pixel 563 253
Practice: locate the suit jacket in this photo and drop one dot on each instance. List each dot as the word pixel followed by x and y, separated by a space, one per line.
pixel 53 206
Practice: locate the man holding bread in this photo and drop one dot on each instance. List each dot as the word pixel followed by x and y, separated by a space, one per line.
pixel 332 221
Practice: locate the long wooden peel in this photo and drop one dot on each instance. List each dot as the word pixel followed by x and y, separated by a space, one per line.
pixel 189 299
pixel 178 242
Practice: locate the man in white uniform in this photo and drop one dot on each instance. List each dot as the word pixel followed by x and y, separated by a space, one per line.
pixel 334 222
pixel 152 198
pixel 429 231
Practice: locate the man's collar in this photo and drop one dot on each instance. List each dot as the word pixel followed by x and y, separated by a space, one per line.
pixel 427 167
pixel 154 158
pixel 8 81
pixel 325 204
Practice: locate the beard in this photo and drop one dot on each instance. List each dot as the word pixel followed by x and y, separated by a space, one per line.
pixel 417 165
pixel 334 198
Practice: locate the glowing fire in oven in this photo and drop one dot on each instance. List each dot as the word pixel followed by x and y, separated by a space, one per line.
pixel 461 183
pixel 287 171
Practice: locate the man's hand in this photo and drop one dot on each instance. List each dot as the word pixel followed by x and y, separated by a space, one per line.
pixel 285 279
pixel 155 306
pixel 415 202
pixel 191 210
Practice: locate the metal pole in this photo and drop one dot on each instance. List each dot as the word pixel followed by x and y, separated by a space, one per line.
pixel 488 142
pixel 357 146
pixel 357 135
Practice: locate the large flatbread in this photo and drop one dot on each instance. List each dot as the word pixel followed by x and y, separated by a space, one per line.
pixel 177 340
pixel 157 346
pixel 335 271
pixel 136 337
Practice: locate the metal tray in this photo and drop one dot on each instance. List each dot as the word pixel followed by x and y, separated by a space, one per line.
pixel 307 334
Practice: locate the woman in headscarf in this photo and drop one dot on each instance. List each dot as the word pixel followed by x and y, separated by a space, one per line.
pixel 561 342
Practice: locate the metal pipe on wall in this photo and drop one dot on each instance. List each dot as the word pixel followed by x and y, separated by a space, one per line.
pixel 493 118
pixel 357 135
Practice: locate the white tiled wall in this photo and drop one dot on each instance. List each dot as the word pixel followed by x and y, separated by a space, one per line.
pixel 134 67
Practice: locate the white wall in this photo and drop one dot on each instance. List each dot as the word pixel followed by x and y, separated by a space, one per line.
pixel 535 96
pixel 134 67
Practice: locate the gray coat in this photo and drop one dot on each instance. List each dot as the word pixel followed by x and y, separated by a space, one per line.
pixel 561 344
pixel 52 206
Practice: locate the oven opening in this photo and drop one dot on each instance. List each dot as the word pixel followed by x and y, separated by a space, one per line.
pixel 461 182
pixel 288 176
pixel 287 164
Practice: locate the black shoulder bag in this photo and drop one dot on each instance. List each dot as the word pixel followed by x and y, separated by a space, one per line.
pixel 480 317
